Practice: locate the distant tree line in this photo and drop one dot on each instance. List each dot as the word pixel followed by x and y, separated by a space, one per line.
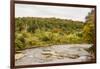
pixel 36 31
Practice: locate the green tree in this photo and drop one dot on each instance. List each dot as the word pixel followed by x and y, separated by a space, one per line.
pixel 89 28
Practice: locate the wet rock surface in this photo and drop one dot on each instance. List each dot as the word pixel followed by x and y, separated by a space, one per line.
pixel 55 54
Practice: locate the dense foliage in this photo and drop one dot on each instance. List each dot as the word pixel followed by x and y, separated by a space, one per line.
pixel 89 32
pixel 35 31
pixel 89 28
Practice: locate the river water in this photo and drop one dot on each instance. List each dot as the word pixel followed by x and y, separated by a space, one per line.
pixel 55 54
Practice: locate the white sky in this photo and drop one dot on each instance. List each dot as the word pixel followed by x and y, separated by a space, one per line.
pixel 74 13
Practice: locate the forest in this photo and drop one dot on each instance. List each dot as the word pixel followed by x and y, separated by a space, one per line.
pixel 37 31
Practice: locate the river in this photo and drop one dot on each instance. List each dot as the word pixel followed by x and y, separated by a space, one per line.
pixel 55 54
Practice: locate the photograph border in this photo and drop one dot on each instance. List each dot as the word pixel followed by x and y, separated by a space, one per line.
pixel 12 32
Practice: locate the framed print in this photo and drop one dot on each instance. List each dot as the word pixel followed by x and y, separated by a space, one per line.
pixel 50 34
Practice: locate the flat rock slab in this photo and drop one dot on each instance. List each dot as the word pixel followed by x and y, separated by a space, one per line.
pixel 18 56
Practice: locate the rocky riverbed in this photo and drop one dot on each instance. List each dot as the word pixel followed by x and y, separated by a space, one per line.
pixel 54 54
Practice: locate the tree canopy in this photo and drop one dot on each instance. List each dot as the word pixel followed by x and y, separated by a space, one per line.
pixel 38 31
